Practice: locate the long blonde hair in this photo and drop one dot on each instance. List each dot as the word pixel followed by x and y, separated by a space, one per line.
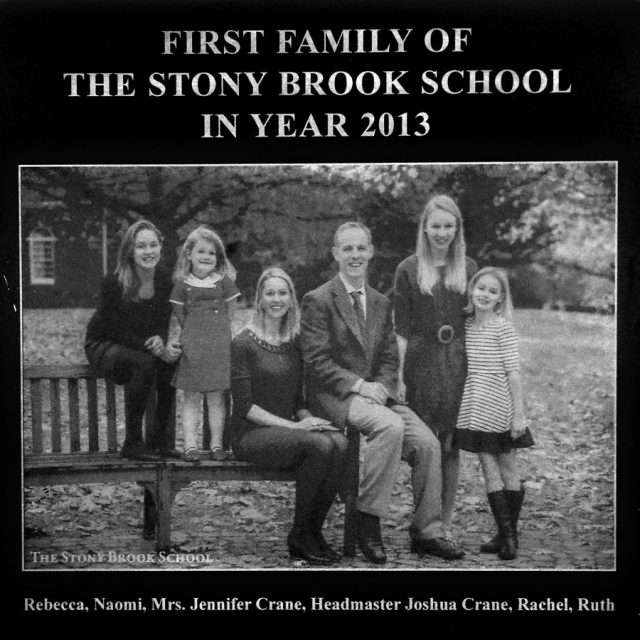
pixel 455 274
pixel 505 306
pixel 290 324
pixel 125 265
pixel 183 266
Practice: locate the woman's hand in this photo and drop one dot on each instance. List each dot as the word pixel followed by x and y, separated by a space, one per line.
pixel 518 426
pixel 171 352
pixel 155 346
pixel 311 423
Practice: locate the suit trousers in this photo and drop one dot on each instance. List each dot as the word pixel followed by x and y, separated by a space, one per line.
pixel 389 435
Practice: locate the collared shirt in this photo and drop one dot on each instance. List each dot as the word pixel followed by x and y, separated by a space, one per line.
pixel 350 289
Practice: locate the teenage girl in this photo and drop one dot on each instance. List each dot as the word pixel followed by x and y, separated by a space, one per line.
pixel 491 420
pixel 201 300
pixel 126 336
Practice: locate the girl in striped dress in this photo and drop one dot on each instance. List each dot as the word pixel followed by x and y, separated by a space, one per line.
pixel 491 419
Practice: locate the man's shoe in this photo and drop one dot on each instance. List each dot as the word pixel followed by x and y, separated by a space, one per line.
pixel 139 452
pixel 438 547
pixel 369 538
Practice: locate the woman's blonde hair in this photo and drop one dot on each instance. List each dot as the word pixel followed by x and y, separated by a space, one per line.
pixel 290 324
pixel 125 265
pixel 455 274
pixel 504 306
pixel 183 266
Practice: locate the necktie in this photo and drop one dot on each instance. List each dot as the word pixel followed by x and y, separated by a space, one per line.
pixel 357 305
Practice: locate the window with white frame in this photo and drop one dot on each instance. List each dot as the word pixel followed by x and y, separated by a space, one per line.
pixel 42 256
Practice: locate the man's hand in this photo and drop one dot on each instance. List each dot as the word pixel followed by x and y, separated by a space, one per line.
pixel 374 391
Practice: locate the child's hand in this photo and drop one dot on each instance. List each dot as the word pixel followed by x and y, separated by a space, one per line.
pixel 518 426
pixel 155 345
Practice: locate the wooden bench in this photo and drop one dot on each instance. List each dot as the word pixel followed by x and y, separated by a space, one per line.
pixel 82 412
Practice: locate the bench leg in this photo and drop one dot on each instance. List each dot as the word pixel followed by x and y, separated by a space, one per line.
pixel 158 500
pixel 350 493
pixel 164 502
pixel 149 514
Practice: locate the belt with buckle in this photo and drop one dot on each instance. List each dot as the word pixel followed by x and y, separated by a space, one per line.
pixel 446 333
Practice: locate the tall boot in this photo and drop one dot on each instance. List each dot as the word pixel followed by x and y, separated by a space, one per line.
pixel 495 544
pixel 500 510
pixel 514 502
pixel 328 493
pixel 310 475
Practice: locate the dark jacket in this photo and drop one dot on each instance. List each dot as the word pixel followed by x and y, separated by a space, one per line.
pixel 336 355
pixel 131 322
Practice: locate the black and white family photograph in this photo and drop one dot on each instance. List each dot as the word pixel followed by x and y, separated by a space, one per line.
pixel 319 366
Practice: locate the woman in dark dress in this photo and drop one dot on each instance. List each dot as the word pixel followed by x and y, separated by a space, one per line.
pixel 126 336
pixel 429 299
pixel 271 426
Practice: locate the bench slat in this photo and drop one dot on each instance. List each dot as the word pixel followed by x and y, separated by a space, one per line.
pixel 54 396
pixel 92 398
pixel 59 371
pixel 36 416
pixel 74 414
pixel 112 436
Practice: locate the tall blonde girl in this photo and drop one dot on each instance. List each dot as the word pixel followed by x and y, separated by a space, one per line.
pixel 429 301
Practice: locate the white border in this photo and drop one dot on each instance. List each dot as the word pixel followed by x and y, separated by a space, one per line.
pixel 371 568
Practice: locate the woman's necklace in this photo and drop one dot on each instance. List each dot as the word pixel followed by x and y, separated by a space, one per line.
pixel 275 340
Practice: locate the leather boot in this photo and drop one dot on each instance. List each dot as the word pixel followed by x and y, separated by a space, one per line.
pixel 369 538
pixel 514 502
pixel 500 510
pixel 495 544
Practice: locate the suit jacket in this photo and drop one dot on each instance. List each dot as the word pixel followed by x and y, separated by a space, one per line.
pixel 336 355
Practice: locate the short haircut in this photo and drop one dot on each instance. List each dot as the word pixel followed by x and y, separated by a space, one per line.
pixel 351 225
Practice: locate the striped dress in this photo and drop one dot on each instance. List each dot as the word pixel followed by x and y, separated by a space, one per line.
pixel 486 412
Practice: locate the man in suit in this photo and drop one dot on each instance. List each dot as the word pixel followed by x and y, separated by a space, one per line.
pixel 351 367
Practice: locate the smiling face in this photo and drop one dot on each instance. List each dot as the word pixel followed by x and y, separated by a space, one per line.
pixel 203 257
pixel 352 253
pixel 440 228
pixel 275 299
pixel 146 250
pixel 486 294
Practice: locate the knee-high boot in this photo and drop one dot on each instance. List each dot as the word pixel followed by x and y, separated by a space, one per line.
pixel 494 545
pixel 500 511
pixel 514 502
